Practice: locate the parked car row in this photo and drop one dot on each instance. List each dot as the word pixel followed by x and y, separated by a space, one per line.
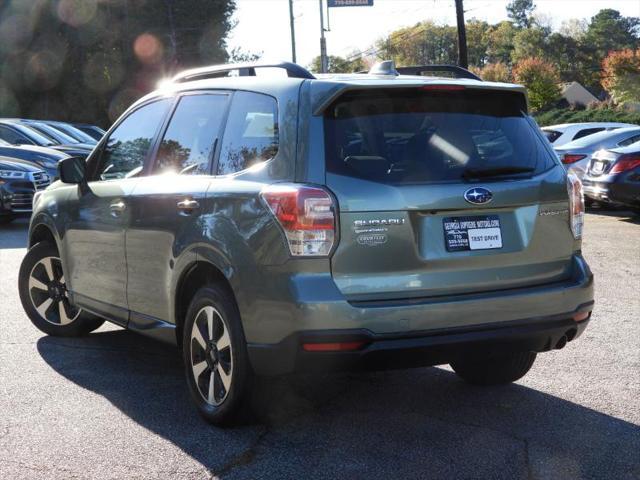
pixel 29 154
pixel 605 156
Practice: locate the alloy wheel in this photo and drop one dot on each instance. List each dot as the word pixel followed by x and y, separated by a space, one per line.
pixel 48 292
pixel 211 355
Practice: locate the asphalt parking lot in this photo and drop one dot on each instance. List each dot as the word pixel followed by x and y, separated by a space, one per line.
pixel 114 405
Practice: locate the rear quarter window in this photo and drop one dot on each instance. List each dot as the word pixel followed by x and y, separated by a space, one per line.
pixel 413 135
pixel 585 132
pixel 251 133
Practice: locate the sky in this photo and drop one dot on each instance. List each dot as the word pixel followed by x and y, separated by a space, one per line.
pixel 263 25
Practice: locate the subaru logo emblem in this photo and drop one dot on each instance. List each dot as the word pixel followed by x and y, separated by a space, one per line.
pixel 478 195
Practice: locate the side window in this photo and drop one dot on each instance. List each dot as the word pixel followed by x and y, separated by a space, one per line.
pixel 629 141
pixel 587 131
pixel 188 144
pixel 14 138
pixel 128 145
pixel 251 133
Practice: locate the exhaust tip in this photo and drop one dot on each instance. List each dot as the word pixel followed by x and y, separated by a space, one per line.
pixel 562 342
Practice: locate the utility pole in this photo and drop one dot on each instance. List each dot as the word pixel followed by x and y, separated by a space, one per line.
pixel 293 32
pixel 463 60
pixel 324 61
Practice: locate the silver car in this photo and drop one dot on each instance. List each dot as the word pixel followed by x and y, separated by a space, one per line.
pixel 576 155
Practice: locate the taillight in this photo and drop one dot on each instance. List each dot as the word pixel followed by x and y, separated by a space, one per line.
pixel 333 347
pixel 576 205
pixel 569 158
pixel 306 215
pixel 626 163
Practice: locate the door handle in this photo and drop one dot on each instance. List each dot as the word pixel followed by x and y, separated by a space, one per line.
pixel 117 208
pixel 186 207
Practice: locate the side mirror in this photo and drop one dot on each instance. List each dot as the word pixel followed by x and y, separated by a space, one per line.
pixel 72 170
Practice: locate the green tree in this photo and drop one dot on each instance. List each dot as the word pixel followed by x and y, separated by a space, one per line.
pixel 609 30
pixel 541 79
pixel 338 64
pixel 500 44
pixel 87 60
pixel 477 41
pixel 530 42
pixel 423 43
pixel 621 75
pixel 519 11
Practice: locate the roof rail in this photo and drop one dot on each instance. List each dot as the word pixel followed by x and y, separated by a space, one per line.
pixel 244 70
pixel 458 72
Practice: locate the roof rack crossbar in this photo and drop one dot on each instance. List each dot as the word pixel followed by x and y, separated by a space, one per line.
pixel 244 70
pixel 458 72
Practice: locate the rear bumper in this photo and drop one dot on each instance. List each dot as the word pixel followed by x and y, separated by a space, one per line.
pixel 596 191
pixel 379 352
pixel 427 331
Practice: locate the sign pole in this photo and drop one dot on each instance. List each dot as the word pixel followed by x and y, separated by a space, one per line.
pixel 293 32
pixel 462 36
pixel 324 62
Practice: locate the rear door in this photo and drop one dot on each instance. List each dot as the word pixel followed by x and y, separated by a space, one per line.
pixel 443 191
pixel 167 206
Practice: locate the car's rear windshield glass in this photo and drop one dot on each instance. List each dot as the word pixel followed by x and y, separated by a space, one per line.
pixel 421 136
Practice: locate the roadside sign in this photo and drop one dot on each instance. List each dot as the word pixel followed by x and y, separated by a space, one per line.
pixel 349 3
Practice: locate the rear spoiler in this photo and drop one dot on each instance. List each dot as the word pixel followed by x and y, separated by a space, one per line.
pixel 340 89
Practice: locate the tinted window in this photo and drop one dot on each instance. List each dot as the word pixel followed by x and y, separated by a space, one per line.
pixel 53 134
pixel 551 135
pixel 73 132
pixel 629 141
pixel 251 134
pixel 585 132
pixel 600 139
pixel 128 145
pixel 189 142
pixel 13 137
pixel 418 136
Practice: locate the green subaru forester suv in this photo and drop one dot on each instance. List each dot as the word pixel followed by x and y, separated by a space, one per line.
pixel 281 223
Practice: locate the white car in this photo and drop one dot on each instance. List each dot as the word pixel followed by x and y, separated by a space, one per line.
pixel 568 132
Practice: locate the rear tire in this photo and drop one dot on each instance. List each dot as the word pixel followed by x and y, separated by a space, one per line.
pixel 43 293
pixel 487 369
pixel 215 356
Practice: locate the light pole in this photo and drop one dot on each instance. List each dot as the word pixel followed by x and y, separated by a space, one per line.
pixel 293 32
pixel 462 36
pixel 324 63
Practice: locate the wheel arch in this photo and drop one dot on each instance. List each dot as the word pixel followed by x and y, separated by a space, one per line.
pixel 43 230
pixel 197 274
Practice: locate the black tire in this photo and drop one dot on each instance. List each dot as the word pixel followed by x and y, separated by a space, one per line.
pixel 498 369
pixel 75 323
pixel 228 403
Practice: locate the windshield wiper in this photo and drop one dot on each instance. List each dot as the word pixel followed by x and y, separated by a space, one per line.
pixel 494 172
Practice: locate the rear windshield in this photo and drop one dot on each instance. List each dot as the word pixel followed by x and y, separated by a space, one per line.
pixel 421 136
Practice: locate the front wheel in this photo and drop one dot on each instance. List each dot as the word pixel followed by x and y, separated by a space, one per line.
pixel 493 369
pixel 215 355
pixel 43 293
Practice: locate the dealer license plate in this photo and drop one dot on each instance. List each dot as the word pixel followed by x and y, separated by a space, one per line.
pixel 472 233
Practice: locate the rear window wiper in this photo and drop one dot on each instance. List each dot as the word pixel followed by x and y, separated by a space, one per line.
pixel 494 172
